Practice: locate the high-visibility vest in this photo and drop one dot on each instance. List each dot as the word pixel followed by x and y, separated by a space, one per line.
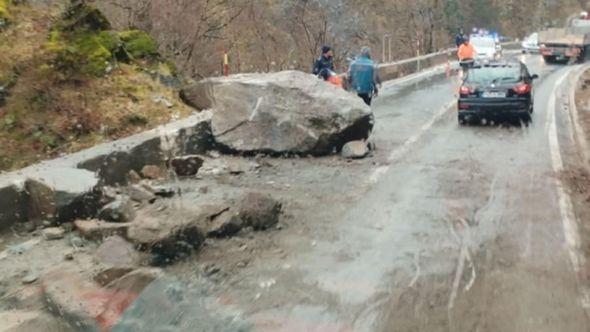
pixel 335 80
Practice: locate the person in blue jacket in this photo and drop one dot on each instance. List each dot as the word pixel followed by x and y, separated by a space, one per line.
pixel 364 76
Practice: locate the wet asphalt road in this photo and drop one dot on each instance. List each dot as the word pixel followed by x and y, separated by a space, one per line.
pixel 452 229
pixel 447 228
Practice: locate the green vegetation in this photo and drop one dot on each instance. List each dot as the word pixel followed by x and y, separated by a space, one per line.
pixel 75 83
pixel 139 44
pixel 4 12
pixel 84 44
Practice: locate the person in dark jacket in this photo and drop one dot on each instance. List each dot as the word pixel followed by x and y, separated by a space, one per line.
pixel 325 64
pixel 364 76
pixel 459 37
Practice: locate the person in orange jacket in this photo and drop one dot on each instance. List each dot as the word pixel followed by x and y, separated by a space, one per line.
pixel 466 50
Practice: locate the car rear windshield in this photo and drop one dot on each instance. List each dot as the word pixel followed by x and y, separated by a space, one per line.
pixel 494 75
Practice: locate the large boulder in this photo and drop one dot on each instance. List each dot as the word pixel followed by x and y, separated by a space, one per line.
pixel 280 113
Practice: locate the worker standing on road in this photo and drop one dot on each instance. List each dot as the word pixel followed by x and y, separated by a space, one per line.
pixel 466 50
pixel 325 64
pixel 364 76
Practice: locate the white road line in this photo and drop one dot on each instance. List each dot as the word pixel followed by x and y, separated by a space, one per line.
pixel 568 217
pixel 458 277
pixel 405 147
pixel 417 267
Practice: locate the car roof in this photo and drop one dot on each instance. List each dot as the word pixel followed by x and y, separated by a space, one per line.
pixel 499 64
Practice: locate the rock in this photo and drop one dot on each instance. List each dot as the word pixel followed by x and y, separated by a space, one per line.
pixel 98 229
pixel 227 165
pixel 239 166
pixel 61 194
pixel 164 192
pixel 41 202
pixel 78 301
pixel 355 150
pixel 111 274
pixel 226 224
pixel 280 113
pixel 116 251
pixel 53 233
pixel 133 177
pixel 120 210
pixel 186 165
pixel 77 242
pixel 172 233
pixel 259 211
pixel 83 303
pixel 136 280
pixel 168 304
pixel 140 194
pixel 109 194
pixel 163 101
pixel 30 278
pixel 211 269
pixel 152 172
pixel 27 321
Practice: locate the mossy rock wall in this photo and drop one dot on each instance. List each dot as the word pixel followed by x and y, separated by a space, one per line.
pixel 83 42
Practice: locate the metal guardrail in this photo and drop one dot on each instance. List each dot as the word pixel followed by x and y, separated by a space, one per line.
pixel 401 68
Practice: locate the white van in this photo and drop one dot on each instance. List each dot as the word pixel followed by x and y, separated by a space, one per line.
pixel 486 48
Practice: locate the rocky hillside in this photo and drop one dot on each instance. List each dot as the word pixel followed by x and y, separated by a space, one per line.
pixel 69 81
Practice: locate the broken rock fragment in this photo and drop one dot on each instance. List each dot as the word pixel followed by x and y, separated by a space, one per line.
pixel 116 251
pixel 98 229
pixel 355 150
pixel 172 232
pixel 186 165
pixel 226 224
pixel 53 233
pixel 152 172
pixel 260 211
pixel 120 210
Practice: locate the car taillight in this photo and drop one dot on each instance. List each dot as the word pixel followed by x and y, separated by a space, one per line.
pixel 464 90
pixel 522 89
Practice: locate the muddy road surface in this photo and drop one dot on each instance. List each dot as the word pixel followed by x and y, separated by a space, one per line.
pixel 445 228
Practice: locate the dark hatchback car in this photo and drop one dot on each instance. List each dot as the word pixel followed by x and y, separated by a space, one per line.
pixel 497 91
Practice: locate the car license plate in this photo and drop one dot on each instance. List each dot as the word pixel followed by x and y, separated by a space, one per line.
pixel 493 94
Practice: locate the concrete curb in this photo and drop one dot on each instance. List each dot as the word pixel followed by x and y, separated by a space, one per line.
pixel 66 188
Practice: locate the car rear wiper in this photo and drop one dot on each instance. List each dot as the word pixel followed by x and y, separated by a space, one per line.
pixel 496 80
